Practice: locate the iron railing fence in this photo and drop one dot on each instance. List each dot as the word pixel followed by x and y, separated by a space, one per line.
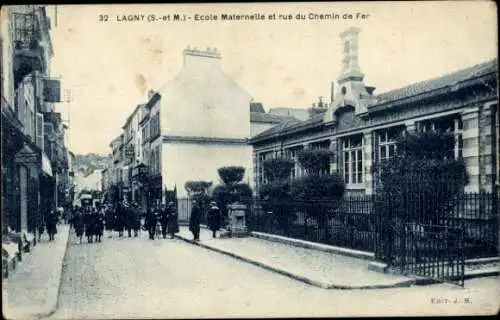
pixel 372 222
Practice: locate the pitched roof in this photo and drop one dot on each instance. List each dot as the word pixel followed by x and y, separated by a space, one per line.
pixel 439 82
pixel 268 118
pixel 451 79
pixel 291 124
pixel 299 113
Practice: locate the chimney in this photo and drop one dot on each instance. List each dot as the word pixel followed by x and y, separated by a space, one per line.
pixel 332 92
pixel 198 57
pixel 350 64
pixel 150 94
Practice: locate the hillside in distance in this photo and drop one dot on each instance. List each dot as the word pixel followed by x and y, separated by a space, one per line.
pixel 90 162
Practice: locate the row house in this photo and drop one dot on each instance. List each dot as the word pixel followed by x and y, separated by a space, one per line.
pixel 198 122
pixel 360 127
pixel 113 187
pixel 29 174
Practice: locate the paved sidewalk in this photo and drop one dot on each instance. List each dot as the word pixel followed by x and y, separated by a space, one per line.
pixel 31 291
pixel 322 269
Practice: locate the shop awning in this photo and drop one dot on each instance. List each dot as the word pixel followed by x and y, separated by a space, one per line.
pixel 46 166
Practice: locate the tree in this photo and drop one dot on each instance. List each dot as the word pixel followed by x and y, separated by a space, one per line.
pixel 422 168
pixel 315 161
pixel 319 191
pixel 276 191
pixel 232 190
pixel 418 185
pixel 198 190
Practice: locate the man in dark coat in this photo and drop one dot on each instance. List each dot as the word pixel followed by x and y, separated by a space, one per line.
pixel 173 226
pixel 164 221
pixel 51 224
pixel 214 218
pixel 129 219
pixel 136 219
pixel 89 225
pixel 195 220
pixel 120 219
pixel 99 224
pixel 151 220
pixel 79 223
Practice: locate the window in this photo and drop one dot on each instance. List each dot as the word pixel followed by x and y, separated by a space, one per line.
pixel 451 124
pixel 155 126
pixel 292 154
pixel 353 159
pixel 262 178
pixel 387 142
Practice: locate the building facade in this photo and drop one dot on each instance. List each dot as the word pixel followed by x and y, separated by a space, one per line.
pixel 199 121
pixel 360 127
pixel 34 173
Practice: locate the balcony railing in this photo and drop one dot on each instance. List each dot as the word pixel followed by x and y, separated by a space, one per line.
pixel 28 52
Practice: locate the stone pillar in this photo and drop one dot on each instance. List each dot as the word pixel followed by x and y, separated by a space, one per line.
pixel 470 135
pixel 368 161
pixel 486 147
pixel 334 162
pixel 237 223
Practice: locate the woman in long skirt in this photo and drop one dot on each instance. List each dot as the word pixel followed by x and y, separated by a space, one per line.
pixel 79 224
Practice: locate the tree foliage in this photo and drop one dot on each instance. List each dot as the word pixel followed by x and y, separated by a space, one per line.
pixel 231 175
pixel 423 177
pixel 319 191
pixel 277 168
pixel 315 161
pixel 232 190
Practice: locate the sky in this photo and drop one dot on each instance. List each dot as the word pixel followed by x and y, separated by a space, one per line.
pixel 110 65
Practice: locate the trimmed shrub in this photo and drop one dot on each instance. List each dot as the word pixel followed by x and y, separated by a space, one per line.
pixel 232 190
pixel 315 161
pixel 318 186
pixel 231 175
pixel 277 168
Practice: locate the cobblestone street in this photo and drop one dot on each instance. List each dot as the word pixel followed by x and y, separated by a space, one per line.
pixel 140 278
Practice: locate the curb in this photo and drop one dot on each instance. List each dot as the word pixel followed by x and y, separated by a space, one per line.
pixel 53 292
pixel 320 284
pixel 315 246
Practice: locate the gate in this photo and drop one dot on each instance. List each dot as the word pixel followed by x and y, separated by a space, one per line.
pixel 410 247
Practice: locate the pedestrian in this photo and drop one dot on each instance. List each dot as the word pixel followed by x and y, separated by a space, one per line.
pixel 151 222
pixel 51 224
pixel 108 220
pixel 214 218
pixel 99 224
pixel 164 221
pixel 136 220
pixel 173 226
pixel 41 228
pixel 89 225
pixel 79 224
pixel 194 220
pixel 120 220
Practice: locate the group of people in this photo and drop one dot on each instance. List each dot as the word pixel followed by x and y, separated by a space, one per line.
pixel 214 219
pixel 164 217
pixel 160 220
pixel 88 221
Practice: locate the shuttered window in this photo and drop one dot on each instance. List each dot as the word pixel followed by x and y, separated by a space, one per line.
pixel 39 130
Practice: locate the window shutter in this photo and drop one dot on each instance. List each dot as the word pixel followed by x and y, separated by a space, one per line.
pixel 39 130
